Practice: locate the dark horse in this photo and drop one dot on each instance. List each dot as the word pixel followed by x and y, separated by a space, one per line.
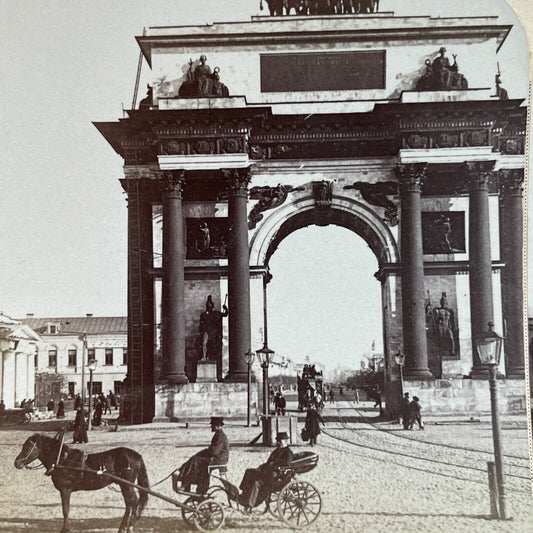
pixel 77 471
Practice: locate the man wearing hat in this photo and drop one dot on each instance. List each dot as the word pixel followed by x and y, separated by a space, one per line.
pixel 257 482
pixel 405 410
pixel 195 470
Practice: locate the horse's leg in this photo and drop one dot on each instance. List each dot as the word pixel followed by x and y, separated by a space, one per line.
pixel 130 499
pixel 65 503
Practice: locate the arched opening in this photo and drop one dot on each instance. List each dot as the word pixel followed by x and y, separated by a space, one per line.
pixel 324 301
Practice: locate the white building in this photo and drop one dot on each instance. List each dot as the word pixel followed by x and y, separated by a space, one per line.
pixel 18 343
pixel 68 343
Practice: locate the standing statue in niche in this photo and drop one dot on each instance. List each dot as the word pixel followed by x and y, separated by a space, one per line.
pixel 211 334
pixel 444 324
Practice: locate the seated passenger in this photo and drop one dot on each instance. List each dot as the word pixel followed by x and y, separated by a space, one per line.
pixel 258 482
pixel 195 470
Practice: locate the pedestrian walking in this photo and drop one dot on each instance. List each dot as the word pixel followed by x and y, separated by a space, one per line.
pixel 312 426
pixel 50 408
pixel 405 411
pixel 98 409
pixel 77 402
pixel 331 395
pixel 112 401
pixel 415 414
pixel 280 403
pixel 60 409
pixel 80 427
pixel 341 391
pixel 356 395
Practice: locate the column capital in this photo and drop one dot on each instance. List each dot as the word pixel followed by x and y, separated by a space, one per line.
pixel 411 176
pixel 478 174
pixel 511 181
pixel 237 180
pixel 172 183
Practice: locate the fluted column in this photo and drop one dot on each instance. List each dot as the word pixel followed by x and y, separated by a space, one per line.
pixel 511 253
pixel 238 274
pixel 480 258
pixel 173 282
pixel 413 313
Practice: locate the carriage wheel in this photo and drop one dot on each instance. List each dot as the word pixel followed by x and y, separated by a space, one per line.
pixel 188 515
pixel 209 516
pixel 299 504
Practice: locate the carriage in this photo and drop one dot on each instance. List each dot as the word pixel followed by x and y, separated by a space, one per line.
pixel 16 416
pixel 295 502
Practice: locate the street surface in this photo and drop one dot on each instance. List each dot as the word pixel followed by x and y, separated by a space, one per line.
pixel 372 476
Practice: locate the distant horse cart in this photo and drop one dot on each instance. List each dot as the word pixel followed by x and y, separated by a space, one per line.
pixel 16 416
pixel 295 502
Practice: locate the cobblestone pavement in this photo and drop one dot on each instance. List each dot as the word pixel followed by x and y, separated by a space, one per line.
pixel 373 477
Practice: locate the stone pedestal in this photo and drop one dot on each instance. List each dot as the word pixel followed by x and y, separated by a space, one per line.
pixel 206 372
pixel 199 401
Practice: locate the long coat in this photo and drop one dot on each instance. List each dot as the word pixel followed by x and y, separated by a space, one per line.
pixel 312 421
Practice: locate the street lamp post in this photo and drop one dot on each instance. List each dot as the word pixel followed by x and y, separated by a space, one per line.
pixel 399 359
pixel 93 363
pixel 249 357
pixel 264 355
pixel 489 348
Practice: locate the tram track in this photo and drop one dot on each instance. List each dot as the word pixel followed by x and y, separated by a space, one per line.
pixel 415 460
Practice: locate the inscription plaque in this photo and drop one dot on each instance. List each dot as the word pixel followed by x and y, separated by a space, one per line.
pixel 325 71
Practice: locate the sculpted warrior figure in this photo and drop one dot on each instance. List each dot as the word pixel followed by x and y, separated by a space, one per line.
pixel 444 326
pixel 211 330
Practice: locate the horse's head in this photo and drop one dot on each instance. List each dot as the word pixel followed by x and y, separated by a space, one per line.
pixel 30 452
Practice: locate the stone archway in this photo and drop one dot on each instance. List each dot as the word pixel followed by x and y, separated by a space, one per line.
pixel 350 214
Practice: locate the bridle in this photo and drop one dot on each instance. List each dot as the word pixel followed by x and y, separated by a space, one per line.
pixel 34 445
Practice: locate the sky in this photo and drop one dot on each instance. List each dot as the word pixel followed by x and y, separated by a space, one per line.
pixel 67 63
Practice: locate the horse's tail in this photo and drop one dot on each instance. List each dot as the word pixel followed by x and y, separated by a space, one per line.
pixel 142 480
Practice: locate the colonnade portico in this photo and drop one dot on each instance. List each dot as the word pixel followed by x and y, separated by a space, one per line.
pixel 415 163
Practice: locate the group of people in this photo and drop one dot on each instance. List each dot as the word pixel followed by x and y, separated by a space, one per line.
pixel 410 412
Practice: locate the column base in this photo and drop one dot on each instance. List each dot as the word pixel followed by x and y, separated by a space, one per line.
pixel 236 377
pixel 418 373
pixel 176 379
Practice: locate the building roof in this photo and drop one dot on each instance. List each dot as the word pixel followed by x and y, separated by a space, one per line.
pixel 77 325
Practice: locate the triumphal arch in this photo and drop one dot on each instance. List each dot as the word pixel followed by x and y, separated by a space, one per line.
pixel 397 128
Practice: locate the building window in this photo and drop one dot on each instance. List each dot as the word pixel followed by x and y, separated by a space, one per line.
pixel 36 359
pixel 91 354
pixel 72 357
pixel 124 356
pixel 109 356
pixel 71 388
pixel 52 357
pixel 116 386
pixel 97 387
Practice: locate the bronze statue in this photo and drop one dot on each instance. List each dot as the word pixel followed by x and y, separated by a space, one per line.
pixel 203 77
pixel 440 75
pixel 202 82
pixel 444 326
pixel 211 333
pixel 147 101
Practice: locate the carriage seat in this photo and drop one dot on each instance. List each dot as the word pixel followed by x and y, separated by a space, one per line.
pixel 220 470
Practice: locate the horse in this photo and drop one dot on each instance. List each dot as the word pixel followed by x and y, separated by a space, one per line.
pixel 72 470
